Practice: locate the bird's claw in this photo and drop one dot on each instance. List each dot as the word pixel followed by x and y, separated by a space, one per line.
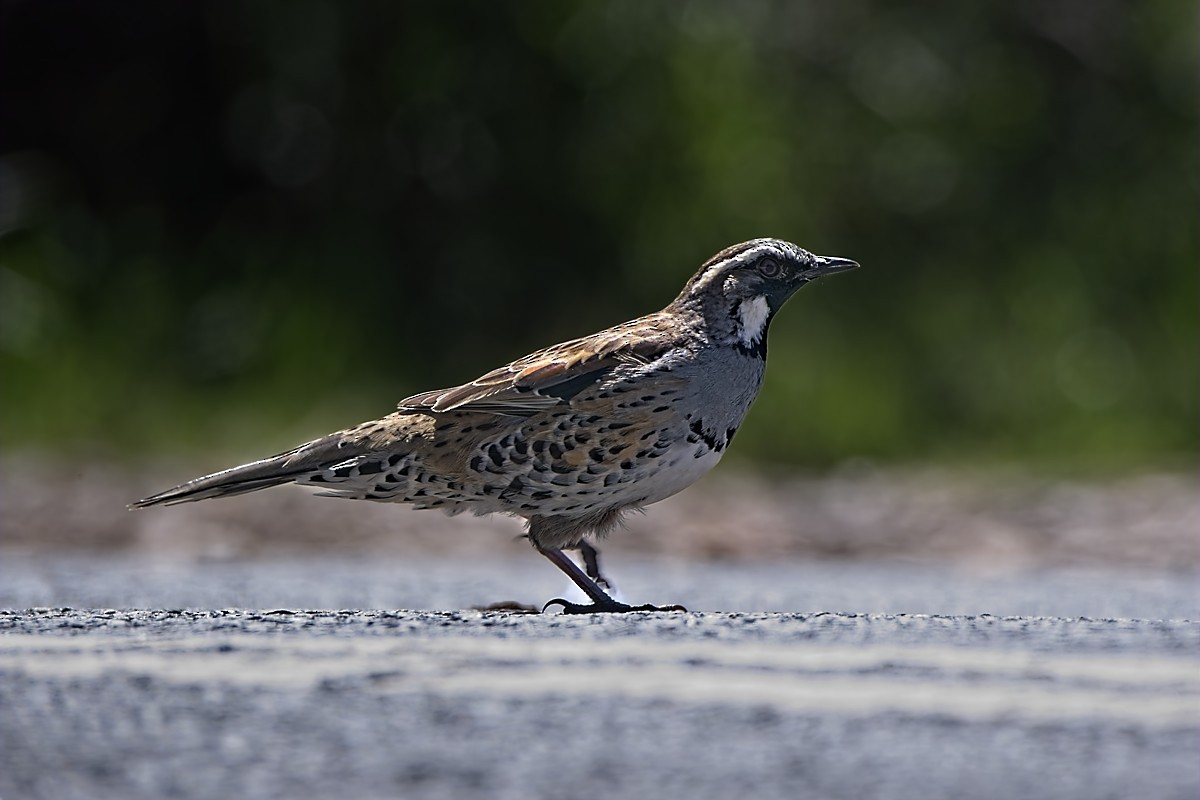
pixel 612 607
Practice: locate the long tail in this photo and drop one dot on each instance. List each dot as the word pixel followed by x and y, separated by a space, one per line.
pixel 267 472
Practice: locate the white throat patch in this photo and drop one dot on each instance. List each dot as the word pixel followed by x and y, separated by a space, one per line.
pixel 752 316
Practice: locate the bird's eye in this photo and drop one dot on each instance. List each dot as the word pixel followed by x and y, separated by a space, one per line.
pixel 769 268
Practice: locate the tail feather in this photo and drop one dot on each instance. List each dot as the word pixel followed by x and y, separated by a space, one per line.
pixel 274 471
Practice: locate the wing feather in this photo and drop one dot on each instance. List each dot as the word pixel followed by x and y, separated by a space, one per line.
pixel 554 375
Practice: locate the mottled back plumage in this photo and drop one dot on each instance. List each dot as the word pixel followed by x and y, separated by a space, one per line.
pixel 572 436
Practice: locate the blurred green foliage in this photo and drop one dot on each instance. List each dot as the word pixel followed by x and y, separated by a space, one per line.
pixel 235 225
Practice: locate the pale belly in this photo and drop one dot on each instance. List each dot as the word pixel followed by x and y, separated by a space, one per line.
pixel 676 474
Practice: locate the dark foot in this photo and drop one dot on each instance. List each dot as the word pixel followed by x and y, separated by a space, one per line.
pixel 601 602
pixel 610 607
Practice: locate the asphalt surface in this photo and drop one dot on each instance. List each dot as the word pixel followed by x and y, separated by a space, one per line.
pixel 791 680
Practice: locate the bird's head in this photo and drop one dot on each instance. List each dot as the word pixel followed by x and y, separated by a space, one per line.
pixel 738 290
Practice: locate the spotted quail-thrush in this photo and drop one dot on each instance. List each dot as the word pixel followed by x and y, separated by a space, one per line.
pixel 571 437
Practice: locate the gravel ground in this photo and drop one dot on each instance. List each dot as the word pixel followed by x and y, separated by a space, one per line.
pixel 1093 693
pixel 437 583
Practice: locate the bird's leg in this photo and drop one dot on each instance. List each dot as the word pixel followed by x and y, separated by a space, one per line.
pixel 601 602
pixel 560 559
pixel 591 563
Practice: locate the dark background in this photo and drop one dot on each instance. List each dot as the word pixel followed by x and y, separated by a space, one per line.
pixel 231 226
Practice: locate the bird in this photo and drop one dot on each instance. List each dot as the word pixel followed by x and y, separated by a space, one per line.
pixel 572 437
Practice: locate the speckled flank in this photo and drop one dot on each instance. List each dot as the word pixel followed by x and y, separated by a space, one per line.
pixel 614 448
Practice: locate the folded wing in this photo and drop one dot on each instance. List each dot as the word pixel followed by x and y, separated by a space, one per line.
pixel 549 377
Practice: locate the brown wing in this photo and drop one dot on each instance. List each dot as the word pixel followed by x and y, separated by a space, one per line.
pixel 551 376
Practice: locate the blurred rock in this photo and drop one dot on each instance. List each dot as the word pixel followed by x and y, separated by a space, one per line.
pixel 985 519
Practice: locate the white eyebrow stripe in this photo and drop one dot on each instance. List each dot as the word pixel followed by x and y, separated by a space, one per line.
pixel 745 257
